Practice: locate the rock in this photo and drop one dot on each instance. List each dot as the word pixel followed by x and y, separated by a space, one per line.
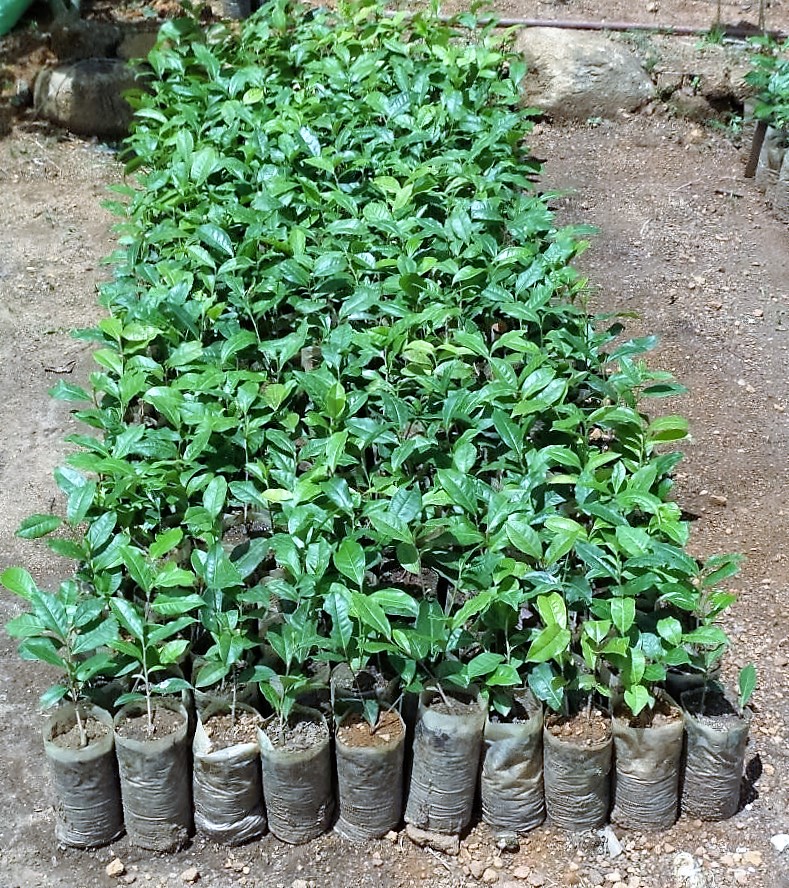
pixel 595 877
pixel 85 97
pixel 300 883
pixel 613 876
pixel 391 836
pixel 741 877
pixel 536 878
pixel 754 858
pixel 508 842
pixel 476 868
pixel 780 842
pixel 115 868
pixel 191 875
pixel 137 44
pixel 521 872
pixel 436 841
pixel 612 844
pixel 687 872
pixel 490 876
pixel 579 75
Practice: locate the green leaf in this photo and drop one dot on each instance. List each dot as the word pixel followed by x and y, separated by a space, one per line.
pixel 668 428
pixel 623 614
pixel 214 496
pixel 747 684
pixel 165 542
pixel 211 673
pixel 43 649
pixel 370 614
pixel 550 644
pixel 547 686
pixel 129 617
pixel 670 629
pixel 52 696
pixel 19 581
pixel 396 602
pixel 552 609
pixel 459 487
pixel 350 561
pixel 216 237
pixel 36 526
pixel 483 664
pixel 638 698
pixel 523 536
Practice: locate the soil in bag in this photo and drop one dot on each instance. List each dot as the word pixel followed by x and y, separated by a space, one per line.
pixel 648 753
pixel 88 809
pixel 511 783
pixel 717 735
pixel 446 753
pixel 297 775
pixel 155 774
pixel 226 779
pixel 369 775
pixel 577 754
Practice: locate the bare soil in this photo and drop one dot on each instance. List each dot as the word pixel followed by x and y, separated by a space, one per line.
pixel 301 732
pixel 71 738
pixel 355 731
pixel 135 727
pixel 581 729
pixel 684 243
pixel 223 731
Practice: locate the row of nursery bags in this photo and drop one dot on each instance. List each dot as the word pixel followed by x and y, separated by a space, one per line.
pixel 580 772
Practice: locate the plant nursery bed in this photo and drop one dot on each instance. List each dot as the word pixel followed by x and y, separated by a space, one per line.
pixel 135 727
pixel 72 737
pixel 687 221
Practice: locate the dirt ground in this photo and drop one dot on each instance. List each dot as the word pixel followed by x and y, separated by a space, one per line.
pixel 685 243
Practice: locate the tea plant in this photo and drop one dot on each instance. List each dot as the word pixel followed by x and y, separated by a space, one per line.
pixel 351 406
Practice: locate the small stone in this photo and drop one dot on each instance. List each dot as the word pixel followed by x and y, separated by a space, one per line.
pixel 129 879
pixel 508 842
pixel 476 868
pixel 595 877
pixel 521 872
pixel 780 842
pixel 191 875
pixel 754 858
pixel 376 860
pixel 741 877
pixel 718 500
pixel 613 876
pixel 391 836
pixel 612 843
pixel 620 884
pixel 490 876
pixel 115 868
pixel 537 879
pixel 727 860
pixel 300 883
pixel 436 841
pixel 779 660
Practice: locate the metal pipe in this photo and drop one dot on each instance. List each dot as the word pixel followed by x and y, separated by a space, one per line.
pixel 735 31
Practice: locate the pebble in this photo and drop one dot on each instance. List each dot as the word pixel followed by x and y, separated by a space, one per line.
pixel 741 877
pixel 476 868
pixel 129 879
pixel 595 877
pixel 190 875
pixel 780 842
pixel 521 872
pixel 115 868
pixel 391 836
pixel 613 876
pixel 377 860
pixel 754 858
pixel 490 876
pixel 537 879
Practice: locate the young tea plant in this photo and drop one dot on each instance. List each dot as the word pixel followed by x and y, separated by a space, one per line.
pixel 69 629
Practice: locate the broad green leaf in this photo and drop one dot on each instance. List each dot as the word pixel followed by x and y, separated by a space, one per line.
pixel 550 644
pixel 370 614
pixel 396 602
pixel 350 561
pixel 638 698
pixel 36 526
pixel 19 581
pixel 214 496
pixel 670 629
pixel 747 684
pixel 523 536
pixel 459 487
pixel 623 614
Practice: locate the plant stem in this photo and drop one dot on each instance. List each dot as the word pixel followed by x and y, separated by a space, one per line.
pixel 83 737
